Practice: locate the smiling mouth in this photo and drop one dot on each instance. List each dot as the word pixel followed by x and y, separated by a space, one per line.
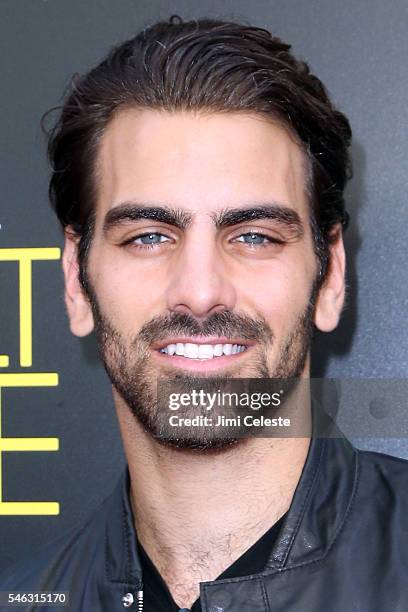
pixel 190 350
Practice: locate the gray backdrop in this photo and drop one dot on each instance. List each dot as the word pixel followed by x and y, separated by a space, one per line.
pixel 359 48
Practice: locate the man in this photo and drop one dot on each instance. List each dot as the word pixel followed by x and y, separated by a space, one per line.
pixel 198 173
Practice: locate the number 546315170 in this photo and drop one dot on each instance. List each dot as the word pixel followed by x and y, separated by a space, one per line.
pixel 18 598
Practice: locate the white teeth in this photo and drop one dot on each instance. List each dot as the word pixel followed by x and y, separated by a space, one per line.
pixel 202 351
pixel 205 351
pixel 191 350
pixel 218 350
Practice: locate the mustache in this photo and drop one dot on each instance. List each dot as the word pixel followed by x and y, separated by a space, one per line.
pixel 225 323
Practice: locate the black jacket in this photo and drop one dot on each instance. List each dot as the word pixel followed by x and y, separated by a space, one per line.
pixel 343 547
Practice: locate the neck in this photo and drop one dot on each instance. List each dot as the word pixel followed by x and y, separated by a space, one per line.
pixel 196 512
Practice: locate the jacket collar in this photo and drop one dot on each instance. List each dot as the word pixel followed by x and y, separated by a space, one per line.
pixel 320 504
pixel 318 510
pixel 121 557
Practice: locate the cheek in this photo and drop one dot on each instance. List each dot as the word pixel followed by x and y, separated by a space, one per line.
pixel 126 296
pixel 278 293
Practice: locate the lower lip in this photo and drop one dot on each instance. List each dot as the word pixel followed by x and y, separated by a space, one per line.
pixel 199 365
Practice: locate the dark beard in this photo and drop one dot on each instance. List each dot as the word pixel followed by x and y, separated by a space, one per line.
pixel 129 369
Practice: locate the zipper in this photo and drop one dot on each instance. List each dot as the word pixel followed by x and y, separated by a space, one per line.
pixel 128 600
pixel 139 599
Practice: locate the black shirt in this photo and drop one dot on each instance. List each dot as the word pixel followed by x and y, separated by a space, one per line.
pixel 157 596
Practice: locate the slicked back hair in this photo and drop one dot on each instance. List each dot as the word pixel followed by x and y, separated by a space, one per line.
pixel 212 66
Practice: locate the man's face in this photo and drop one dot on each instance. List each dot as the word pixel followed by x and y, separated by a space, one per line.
pixel 202 260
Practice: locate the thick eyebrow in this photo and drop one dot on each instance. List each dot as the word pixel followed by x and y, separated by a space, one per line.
pixel 182 219
pixel 133 211
pixel 277 212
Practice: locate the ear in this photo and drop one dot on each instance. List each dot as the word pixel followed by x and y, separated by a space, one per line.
pixel 331 296
pixel 77 303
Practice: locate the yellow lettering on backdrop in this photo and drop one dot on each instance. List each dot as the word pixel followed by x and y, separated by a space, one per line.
pixel 25 257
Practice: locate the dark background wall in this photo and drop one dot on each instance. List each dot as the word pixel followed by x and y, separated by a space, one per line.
pixel 359 49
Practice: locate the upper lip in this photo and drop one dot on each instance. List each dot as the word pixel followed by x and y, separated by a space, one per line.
pixel 213 340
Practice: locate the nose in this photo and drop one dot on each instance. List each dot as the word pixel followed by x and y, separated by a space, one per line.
pixel 200 282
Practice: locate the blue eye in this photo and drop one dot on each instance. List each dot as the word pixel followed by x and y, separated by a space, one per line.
pixel 150 239
pixel 253 238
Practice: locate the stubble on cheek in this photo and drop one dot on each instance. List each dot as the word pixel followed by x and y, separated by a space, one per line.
pixel 128 363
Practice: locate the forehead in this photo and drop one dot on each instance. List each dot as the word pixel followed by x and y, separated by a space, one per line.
pixel 200 162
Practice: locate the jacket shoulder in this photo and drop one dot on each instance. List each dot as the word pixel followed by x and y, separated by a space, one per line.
pixel 384 476
pixel 381 462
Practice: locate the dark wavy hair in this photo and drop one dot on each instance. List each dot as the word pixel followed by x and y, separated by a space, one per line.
pixel 205 65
